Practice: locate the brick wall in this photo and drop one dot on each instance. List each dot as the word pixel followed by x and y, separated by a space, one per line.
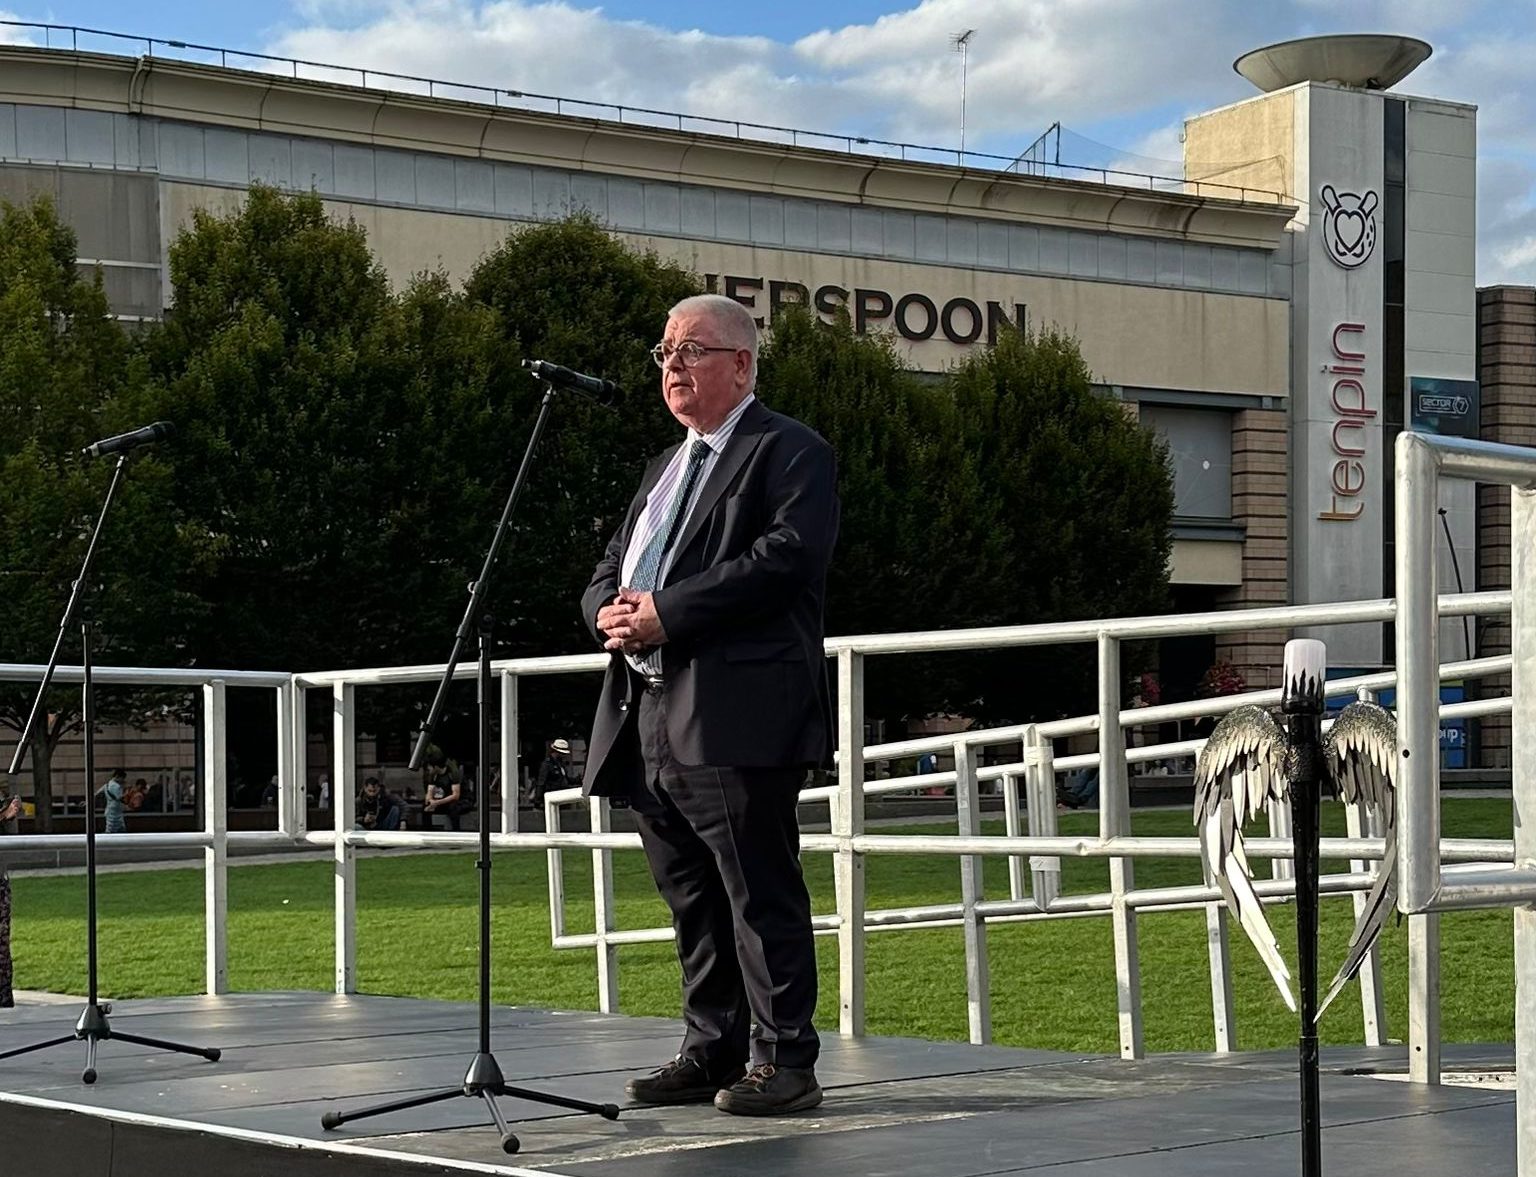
pixel 1506 369
pixel 1260 441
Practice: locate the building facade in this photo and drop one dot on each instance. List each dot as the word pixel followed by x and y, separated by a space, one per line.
pixel 1263 316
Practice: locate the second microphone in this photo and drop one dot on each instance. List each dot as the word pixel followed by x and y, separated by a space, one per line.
pixel 604 390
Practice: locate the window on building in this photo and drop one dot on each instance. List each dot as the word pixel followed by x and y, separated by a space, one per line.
pixel 1200 451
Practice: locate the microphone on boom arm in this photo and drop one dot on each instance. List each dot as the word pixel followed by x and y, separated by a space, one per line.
pixel 603 391
pixel 148 435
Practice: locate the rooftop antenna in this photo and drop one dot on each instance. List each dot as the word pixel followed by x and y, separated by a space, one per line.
pixel 961 43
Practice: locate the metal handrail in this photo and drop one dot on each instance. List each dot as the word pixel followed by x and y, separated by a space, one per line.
pixel 1033 856
pixel 735 128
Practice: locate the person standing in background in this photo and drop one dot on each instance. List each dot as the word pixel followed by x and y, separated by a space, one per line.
pixel 115 793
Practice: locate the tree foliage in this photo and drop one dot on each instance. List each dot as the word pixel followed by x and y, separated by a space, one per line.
pixel 345 449
pixel 1009 493
pixel 64 368
pixel 1084 500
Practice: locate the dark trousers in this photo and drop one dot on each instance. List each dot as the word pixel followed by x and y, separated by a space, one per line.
pixel 723 846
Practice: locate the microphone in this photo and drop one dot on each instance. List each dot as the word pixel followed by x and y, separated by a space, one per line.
pixel 605 391
pixel 150 434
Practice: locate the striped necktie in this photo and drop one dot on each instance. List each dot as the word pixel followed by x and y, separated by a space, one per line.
pixel 648 569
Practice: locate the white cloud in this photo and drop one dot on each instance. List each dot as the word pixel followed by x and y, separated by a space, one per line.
pixel 1111 71
pixel 11 35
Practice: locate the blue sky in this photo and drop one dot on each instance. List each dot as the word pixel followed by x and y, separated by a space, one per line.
pixel 1119 75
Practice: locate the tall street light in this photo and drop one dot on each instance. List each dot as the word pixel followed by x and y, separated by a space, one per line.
pixel 961 42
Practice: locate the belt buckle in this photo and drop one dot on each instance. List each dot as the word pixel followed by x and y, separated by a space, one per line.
pixel 653 683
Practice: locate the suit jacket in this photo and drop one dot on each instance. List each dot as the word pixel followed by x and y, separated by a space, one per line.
pixel 742 606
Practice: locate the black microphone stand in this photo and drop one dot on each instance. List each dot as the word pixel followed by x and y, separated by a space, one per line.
pixel 93 1025
pixel 1302 705
pixel 483 1080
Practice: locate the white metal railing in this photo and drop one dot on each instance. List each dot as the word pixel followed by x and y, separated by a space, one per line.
pixel 1427 886
pixel 1031 845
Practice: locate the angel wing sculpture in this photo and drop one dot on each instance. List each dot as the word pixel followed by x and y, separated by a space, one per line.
pixel 1247 762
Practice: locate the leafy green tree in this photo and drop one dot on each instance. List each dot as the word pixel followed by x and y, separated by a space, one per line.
pixel 1084 496
pixel 321 422
pixel 572 293
pixel 65 372
pixel 345 451
pixel 919 544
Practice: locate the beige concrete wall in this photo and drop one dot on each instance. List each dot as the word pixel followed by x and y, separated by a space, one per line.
pixel 1250 143
pixel 1131 335
pixel 1196 561
pixel 207 94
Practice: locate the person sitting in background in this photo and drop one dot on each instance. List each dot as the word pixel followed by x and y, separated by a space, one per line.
pixel 1080 791
pixel 444 790
pixel 555 772
pixel 376 808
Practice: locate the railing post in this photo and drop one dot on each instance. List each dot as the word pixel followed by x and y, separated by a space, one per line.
pixel 343 808
pixel 1522 547
pixel 848 823
pixel 978 983
pixel 555 868
pixel 285 756
pixel 1418 726
pixel 1424 998
pixel 1361 823
pixel 1013 825
pixel 511 769
pixel 293 794
pixel 1040 781
pixel 215 789
pixel 1218 944
pixel 602 908
pixel 1114 822
pixel 1280 827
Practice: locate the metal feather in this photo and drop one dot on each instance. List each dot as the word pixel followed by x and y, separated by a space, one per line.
pixel 1360 753
pixel 1239 769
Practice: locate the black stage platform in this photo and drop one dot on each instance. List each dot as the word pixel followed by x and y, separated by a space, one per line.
pixel 894 1107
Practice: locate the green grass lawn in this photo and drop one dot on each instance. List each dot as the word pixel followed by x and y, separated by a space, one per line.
pixel 1052 981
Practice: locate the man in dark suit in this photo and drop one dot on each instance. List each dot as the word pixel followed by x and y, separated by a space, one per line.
pixel 715 703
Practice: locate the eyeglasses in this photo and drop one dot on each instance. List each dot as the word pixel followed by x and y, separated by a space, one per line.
pixel 690 352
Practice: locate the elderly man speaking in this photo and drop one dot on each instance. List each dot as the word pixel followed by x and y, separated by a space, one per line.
pixel 715 704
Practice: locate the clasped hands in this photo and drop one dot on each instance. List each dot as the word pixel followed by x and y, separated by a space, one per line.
pixel 630 622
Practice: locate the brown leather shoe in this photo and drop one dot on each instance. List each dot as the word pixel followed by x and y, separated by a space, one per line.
pixel 683 1080
pixel 769 1090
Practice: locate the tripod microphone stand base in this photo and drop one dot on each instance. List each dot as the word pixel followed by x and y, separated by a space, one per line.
pixel 93 1027
pixel 484 1081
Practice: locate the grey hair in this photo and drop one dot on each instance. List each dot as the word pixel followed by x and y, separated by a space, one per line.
pixel 734 320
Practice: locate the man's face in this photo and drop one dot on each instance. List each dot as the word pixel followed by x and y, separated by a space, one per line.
pixel 702 397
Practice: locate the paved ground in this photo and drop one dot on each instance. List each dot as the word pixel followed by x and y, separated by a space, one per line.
pixel 894 1107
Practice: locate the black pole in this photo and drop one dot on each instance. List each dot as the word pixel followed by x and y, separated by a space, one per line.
pixel 93 1026
pixel 77 591
pixel 1305 739
pixel 477 589
pixel 88 706
pixel 484 1079
pixel 483 801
